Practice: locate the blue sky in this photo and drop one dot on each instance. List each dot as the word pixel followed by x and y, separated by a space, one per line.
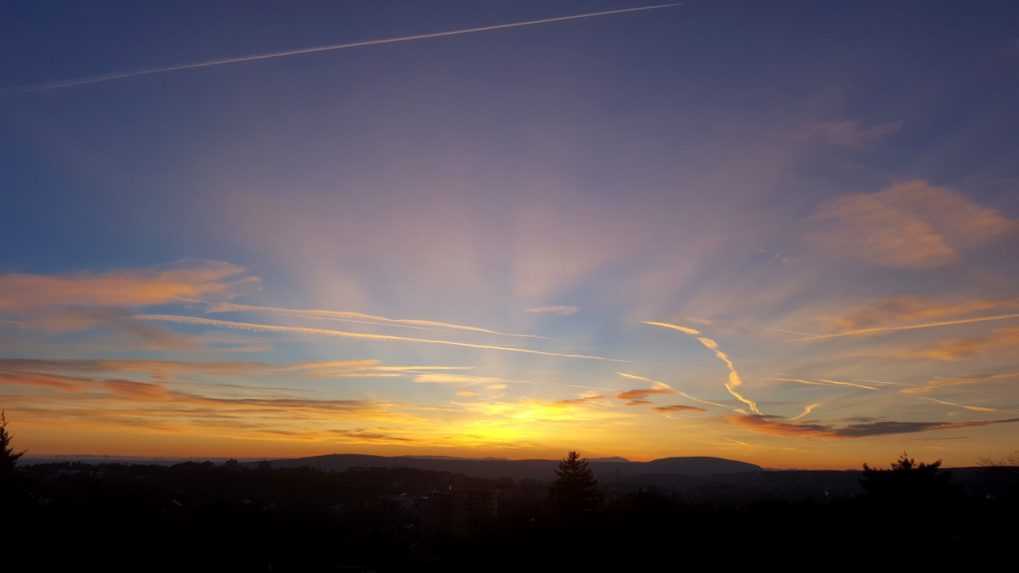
pixel 827 194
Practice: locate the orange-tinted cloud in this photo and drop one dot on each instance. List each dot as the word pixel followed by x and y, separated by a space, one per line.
pixel 185 281
pixel 643 394
pixel 679 408
pixel 581 400
pixel 770 425
pixel 940 383
pixel 911 225
pixel 1000 340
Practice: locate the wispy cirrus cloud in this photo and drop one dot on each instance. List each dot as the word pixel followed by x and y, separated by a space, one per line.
pixel 259 327
pixel 912 224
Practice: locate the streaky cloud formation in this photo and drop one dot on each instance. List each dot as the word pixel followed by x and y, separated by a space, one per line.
pixel 826 382
pixel 906 327
pixel 336 47
pixel 257 327
pixel 659 383
pixel 678 408
pixel 735 380
pixel 359 317
pixel 183 281
pixel 768 425
pixel 981 409
pixel 165 370
pixel 806 411
pixel 940 383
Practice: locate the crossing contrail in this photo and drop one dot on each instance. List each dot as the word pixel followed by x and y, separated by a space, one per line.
pixel 334 47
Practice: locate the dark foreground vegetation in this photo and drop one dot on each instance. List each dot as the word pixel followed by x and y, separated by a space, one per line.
pixel 237 517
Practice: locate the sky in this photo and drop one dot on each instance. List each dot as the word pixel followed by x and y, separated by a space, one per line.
pixel 781 232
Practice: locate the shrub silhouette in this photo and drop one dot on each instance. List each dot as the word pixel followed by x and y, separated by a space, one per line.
pixel 906 481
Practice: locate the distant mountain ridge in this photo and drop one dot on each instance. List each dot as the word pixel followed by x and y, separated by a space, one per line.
pixel 606 469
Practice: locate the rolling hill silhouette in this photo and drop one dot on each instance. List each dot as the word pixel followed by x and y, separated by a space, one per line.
pixel 607 469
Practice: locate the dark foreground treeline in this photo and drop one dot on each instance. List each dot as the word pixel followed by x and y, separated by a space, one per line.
pixel 229 517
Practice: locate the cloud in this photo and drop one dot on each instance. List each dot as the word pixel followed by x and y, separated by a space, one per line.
pixel 584 399
pixel 185 281
pixel 643 393
pixel 557 310
pixel 164 370
pixel 679 392
pixel 367 436
pixel 905 309
pixel 768 425
pixel 43 380
pixel 360 318
pixel 826 382
pixel 941 383
pixel 806 411
pixel 906 327
pixel 258 327
pixel 850 133
pixel 442 378
pixel 907 225
pixel 735 380
pixel 679 408
pixel 1000 340
pixel 671 326
pixel 981 409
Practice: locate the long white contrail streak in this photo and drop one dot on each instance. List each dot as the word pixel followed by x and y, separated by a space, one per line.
pixel 884 329
pixel 334 47
pixel 256 327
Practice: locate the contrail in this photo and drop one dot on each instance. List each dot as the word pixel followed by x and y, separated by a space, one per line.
pixel 825 381
pixel 734 378
pixel 806 411
pixel 680 392
pixel 334 47
pixel 256 327
pixel 360 318
pixel 883 329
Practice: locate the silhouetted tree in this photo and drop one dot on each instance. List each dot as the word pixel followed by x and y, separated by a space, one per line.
pixel 575 489
pixel 8 457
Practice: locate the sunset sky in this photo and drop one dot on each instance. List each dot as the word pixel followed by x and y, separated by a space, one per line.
pixel 780 232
